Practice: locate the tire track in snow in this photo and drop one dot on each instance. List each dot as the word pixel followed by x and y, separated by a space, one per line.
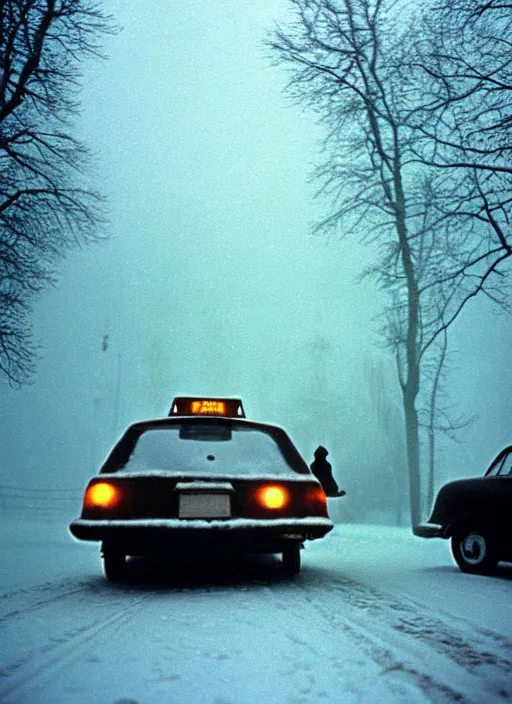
pixel 448 639
pixel 56 592
pixel 314 679
pixel 404 683
pixel 395 634
pixel 55 653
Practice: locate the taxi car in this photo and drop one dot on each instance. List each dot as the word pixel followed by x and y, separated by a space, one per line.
pixel 204 476
pixel 476 515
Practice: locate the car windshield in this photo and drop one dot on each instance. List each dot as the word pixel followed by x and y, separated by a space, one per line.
pixel 212 450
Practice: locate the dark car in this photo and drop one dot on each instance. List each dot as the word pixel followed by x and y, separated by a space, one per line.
pixel 204 477
pixel 476 514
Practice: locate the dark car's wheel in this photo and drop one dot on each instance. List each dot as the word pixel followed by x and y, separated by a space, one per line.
pixel 291 560
pixel 474 551
pixel 114 562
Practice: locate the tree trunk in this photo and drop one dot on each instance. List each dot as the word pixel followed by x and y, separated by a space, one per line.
pixel 431 467
pixel 411 385
pixel 413 454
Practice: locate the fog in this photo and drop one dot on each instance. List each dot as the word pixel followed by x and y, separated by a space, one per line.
pixel 210 281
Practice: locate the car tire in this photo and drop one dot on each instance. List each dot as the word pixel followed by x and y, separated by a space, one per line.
pixel 114 563
pixel 474 552
pixel 291 560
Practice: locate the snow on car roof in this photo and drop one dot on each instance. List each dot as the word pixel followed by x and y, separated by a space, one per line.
pixel 227 476
pixel 205 446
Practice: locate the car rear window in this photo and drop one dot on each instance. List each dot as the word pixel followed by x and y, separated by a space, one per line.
pixel 215 450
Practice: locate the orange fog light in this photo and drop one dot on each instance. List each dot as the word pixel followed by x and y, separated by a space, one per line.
pixel 102 495
pixel 273 497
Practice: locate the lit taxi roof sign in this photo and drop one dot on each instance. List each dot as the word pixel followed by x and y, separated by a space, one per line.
pixel 192 406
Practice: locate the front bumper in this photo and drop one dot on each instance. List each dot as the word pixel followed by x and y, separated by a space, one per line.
pixel 144 536
pixel 429 530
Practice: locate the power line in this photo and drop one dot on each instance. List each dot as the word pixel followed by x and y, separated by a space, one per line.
pixel 40 490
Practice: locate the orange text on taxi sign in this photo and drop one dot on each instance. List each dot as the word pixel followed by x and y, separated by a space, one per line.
pixel 208 407
pixel 197 406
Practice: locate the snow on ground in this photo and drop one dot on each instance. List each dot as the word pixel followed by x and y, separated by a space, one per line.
pixel 375 616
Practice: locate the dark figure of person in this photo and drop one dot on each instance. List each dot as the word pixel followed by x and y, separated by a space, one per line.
pixel 323 472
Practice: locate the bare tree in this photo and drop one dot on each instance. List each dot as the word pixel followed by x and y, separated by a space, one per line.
pixel 346 61
pixel 461 63
pixel 342 56
pixel 464 57
pixel 461 66
pixel 46 203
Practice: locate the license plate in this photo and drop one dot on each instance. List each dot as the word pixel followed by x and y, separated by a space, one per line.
pixel 196 505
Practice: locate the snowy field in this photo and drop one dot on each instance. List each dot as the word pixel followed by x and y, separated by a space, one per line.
pixel 375 616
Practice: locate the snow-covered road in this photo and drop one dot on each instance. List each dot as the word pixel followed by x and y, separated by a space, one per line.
pixel 375 616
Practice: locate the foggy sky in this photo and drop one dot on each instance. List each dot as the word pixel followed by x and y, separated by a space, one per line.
pixel 211 282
